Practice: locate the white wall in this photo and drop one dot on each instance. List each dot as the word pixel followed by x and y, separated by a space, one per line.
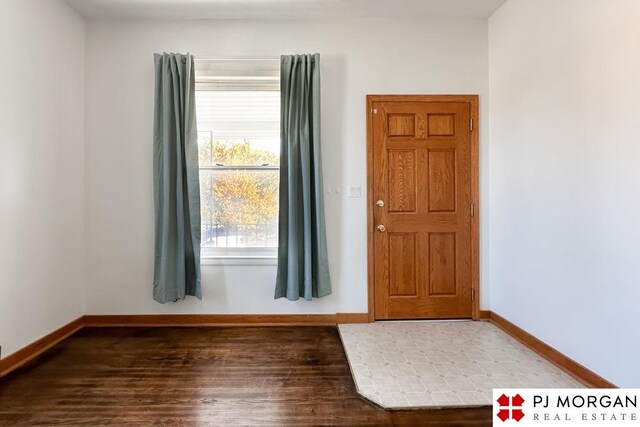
pixel 41 169
pixel 565 182
pixel 358 57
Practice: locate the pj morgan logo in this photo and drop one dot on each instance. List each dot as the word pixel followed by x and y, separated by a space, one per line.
pixel 510 407
pixel 566 407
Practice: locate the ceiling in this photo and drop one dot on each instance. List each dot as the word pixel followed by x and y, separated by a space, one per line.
pixel 282 9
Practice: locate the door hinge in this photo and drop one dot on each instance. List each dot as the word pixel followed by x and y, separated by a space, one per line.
pixel 471 125
pixel 473 209
pixel 473 294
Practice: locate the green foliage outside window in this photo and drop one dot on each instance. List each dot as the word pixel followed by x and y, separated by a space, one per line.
pixel 245 201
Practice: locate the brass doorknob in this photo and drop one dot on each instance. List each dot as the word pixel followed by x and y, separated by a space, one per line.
pixel 381 228
pixel 380 203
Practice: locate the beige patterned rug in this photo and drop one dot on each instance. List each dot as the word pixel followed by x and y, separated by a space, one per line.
pixel 401 365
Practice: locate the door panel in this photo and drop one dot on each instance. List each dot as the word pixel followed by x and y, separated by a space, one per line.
pixel 442 180
pixel 402 181
pixel 401 124
pixel 402 264
pixel 442 264
pixel 421 175
pixel 441 125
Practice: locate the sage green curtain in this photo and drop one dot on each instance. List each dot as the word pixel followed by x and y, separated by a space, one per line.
pixel 176 180
pixel 303 267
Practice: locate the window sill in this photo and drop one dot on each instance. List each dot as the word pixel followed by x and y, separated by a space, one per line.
pixel 238 260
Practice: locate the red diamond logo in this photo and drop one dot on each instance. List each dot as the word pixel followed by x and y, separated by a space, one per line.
pixel 517 400
pixel 503 400
pixel 510 407
pixel 517 414
pixel 503 414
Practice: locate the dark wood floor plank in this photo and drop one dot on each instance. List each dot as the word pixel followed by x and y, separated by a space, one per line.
pixel 217 376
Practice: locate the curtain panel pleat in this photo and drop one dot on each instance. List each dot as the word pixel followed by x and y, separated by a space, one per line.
pixel 176 180
pixel 303 266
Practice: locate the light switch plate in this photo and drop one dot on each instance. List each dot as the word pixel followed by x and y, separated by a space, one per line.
pixel 355 192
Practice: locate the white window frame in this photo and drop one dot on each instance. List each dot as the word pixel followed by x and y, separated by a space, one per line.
pixel 238 255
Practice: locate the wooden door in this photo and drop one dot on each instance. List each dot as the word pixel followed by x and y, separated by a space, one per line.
pixel 421 196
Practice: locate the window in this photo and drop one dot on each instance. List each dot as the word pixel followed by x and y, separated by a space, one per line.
pixel 238 111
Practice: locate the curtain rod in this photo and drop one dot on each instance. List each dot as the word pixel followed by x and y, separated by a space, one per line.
pixel 202 58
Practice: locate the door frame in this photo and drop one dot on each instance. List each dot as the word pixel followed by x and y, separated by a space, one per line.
pixel 473 101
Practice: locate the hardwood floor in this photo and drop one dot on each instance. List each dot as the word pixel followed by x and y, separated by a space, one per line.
pixel 218 376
